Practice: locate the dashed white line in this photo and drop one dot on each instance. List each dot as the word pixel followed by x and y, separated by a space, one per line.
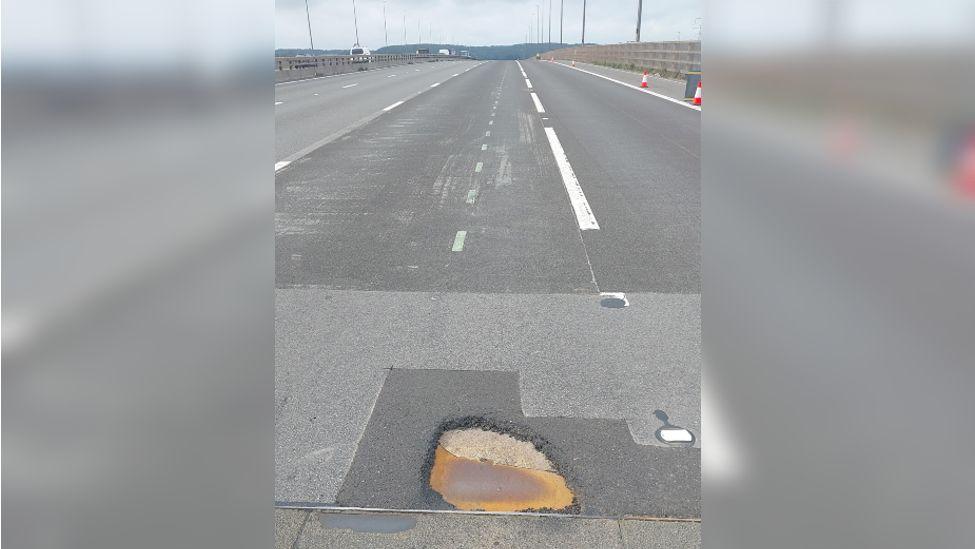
pixel 487 133
pixel 280 165
pixel 490 122
pixel 434 85
pixel 349 86
pixel 538 104
pixel 276 103
pixel 584 216
pixel 391 75
pixel 484 147
pixel 528 83
pixel 455 74
pixel 393 106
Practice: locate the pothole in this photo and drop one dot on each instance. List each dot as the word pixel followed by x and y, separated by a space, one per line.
pixel 476 469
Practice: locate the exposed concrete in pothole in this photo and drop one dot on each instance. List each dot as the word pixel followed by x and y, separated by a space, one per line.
pixel 493 447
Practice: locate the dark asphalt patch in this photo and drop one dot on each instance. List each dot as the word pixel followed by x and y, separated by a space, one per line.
pixel 609 473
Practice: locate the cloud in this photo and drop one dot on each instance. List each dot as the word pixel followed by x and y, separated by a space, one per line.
pixel 476 22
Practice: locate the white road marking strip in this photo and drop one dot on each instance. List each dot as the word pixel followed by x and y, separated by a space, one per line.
pixel 315 94
pixel 584 215
pixel 393 106
pixel 455 74
pixel 484 147
pixel 459 241
pixel 490 122
pixel 276 103
pixel 637 88
pixel 390 76
pixel 434 85
pixel 528 83
pixel 487 133
pixel 281 165
pixel 673 434
pixel 348 86
pixel 479 167
pixel 538 104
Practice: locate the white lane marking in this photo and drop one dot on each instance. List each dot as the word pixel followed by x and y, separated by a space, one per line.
pixel 417 70
pixel 276 103
pixel 281 165
pixel 459 241
pixel 584 216
pixel 479 167
pixel 390 76
pixel 637 88
pixel 490 122
pixel 538 104
pixel 348 86
pixel 528 83
pixel 484 147
pixel 672 434
pixel 455 74
pixel 487 133
pixel 615 295
pixel 434 85
pixel 522 69
pixel 315 94
pixel 393 106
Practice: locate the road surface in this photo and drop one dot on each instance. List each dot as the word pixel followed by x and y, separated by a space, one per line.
pixel 448 237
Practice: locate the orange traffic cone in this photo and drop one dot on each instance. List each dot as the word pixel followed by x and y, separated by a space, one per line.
pixel 643 84
pixel 697 94
pixel 965 169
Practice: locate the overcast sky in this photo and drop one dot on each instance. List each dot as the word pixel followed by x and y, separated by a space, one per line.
pixel 478 22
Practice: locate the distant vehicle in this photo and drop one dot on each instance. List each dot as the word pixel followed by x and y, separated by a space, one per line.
pixel 444 52
pixel 360 54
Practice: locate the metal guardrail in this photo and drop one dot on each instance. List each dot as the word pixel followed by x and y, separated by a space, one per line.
pixel 297 68
pixel 669 58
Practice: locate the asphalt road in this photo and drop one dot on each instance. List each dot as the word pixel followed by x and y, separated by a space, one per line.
pixel 308 111
pixel 457 230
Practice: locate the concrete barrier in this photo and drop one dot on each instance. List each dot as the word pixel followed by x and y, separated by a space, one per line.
pixel 673 59
pixel 299 68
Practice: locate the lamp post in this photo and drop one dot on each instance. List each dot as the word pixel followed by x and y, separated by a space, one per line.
pixel 639 17
pixel 310 38
pixel 583 22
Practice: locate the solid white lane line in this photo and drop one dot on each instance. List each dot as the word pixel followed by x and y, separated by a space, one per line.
pixel 348 86
pixel 584 216
pixel 393 106
pixel 528 83
pixel 280 165
pixel 637 88
pixel 538 104
pixel 276 103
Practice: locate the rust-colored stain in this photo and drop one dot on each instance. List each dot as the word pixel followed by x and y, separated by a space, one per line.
pixel 484 486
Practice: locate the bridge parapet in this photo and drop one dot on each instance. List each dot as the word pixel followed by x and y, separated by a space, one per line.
pixel 673 58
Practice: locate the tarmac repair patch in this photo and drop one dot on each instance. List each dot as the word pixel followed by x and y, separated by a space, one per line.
pixel 442 439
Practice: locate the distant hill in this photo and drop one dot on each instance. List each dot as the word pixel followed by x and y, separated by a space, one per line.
pixel 513 51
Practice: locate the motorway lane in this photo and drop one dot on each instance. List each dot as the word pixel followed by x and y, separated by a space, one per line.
pixel 307 111
pixel 638 159
pixel 381 209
